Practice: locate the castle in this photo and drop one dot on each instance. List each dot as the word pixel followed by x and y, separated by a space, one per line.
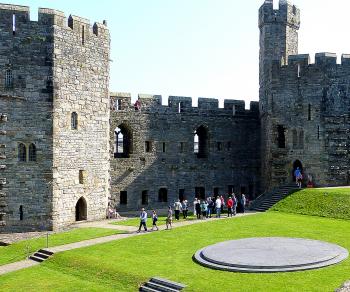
pixel 69 148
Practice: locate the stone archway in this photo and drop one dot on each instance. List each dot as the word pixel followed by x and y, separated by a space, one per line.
pixel 297 163
pixel 81 210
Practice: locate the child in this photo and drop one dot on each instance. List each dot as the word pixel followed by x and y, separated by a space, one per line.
pixel 154 220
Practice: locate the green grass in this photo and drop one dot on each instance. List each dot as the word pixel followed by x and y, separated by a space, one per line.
pixel 124 264
pixel 161 221
pixel 19 250
pixel 330 203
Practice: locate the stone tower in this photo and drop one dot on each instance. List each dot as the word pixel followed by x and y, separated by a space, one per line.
pixel 278 40
pixel 54 119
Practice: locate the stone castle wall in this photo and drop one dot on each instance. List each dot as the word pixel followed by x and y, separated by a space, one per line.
pixel 233 156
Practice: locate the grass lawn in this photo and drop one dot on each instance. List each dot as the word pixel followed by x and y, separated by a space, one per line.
pixel 124 264
pixel 19 250
pixel 331 203
pixel 161 221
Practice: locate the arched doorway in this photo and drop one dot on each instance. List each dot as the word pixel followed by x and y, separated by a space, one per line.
pixel 81 210
pixel 297 163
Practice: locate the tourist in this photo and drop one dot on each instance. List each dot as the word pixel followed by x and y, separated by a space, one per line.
pixel 198 209
pixel 143 219
pixel 229 207
pixel 194 206
pixel 137 105
pixel 298 177
pixel 210 207
pixel 222 203
pixel 169 218
pixel 154 220
pixel 243 202
pixel 234 208
pixel 185 208
pixel 204 207
pixel 218 207
pixel 178 209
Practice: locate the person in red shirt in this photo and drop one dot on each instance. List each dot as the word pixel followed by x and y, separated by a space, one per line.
pixel 229 207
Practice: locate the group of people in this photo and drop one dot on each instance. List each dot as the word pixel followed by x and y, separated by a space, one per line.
pixel 202 209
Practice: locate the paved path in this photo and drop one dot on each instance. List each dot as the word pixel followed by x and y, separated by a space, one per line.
pixel 132 231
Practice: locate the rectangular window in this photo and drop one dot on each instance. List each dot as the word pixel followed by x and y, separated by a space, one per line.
pixel 82 35
pixel 82 175
pixel 182 147
pixel 318 132
pixel 309 112
pixel 148 146
pixel 144 198
pixel 14 24
pixel 163 147
pixel 181 194
pixel 8 79
pixel 229 146
pixel 281 139
pixel 123 198
pixel 118 105
pixel 216 192
pixel 219 146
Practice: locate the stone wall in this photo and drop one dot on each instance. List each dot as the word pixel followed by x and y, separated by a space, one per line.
pixel 233 149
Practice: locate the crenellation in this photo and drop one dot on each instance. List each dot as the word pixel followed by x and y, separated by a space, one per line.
pixel 50 17
pixel 326 59
pixel 208 103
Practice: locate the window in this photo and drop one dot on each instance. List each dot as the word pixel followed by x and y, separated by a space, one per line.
pixel 22 152
pixel 163 147
pixel 74 121
pixel 230 189
pixel 301 139
pixel 82 175
pixel 180 107
pixel 281 138
pixel 298 70
pixel 82 35
pixel 144 198
pixel 32 152
pixel 295 139
pixel 181 194
pixel 148 146
pixel 219 146
pixel 309 112
pixel 123 198
pixel 8 79
pixel 201 142
pixel 182 147
pixel 118 105
pixel 21 213
pixel 216 192
pixel 229 146
pixel 163 195
pixel 123 141
pixel 13 24
pixel 318 132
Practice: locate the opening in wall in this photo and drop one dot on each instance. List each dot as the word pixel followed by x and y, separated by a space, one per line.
pixel 123 200
pixel 163 195
pixel 144 198
pixel 22 152
pixel 230 189
pixel 147 146
pixel 82 175
pixel 201 142
pixel 163 147
pixel 21 212
pixel 216 192
pixel 74 121
pixel 123 141
pixel 182 147
pixel 13 24
pixel 309 112
pixel 181 194
pixel 281 138
pixel 200 193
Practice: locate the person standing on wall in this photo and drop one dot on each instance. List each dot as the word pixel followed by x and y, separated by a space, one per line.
pixel 143 220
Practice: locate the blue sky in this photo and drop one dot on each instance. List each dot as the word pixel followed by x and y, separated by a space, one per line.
pixel 197 48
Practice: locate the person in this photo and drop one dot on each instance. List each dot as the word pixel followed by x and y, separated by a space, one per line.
pixel 184 208
pixel 218 207
pixel 194 206
pixel 204 207
pixel 198 209
pixel 243 202
pixel 169 218
pixel 229 207
pixel 222 204
pixel 234 208
pixel 298 177
pixel 178 208
pixel 154 220
pixel 210 207
pixel 137 105
pixel 143 219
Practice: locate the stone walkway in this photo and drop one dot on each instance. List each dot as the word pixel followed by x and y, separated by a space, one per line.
pixel 132 231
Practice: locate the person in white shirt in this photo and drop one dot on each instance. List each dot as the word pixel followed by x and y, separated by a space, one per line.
pixel 143 219
pixel 218 207
pixel 178 209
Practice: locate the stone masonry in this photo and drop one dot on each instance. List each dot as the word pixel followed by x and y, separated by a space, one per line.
pixel 69 148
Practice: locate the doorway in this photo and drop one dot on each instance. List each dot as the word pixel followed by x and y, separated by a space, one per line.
pixel 297 163
pixel 200 193
pixel 81 210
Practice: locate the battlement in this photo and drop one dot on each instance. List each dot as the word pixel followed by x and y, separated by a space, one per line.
pixel 287 14
pixel 16 16
pixel 183 103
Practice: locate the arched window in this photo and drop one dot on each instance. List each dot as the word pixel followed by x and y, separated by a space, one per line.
pixel 32 152
pixel 200 146
pixel 74 121
pixel 163 195
pixel 123 141
pixel 8 79
pixel 22 152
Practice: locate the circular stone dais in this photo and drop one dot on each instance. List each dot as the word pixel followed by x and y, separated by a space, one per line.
pixel 270 254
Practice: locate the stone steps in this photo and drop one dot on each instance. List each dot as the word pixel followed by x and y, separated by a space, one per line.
pixel 266 201
pixel 157 284
pixel 41 255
